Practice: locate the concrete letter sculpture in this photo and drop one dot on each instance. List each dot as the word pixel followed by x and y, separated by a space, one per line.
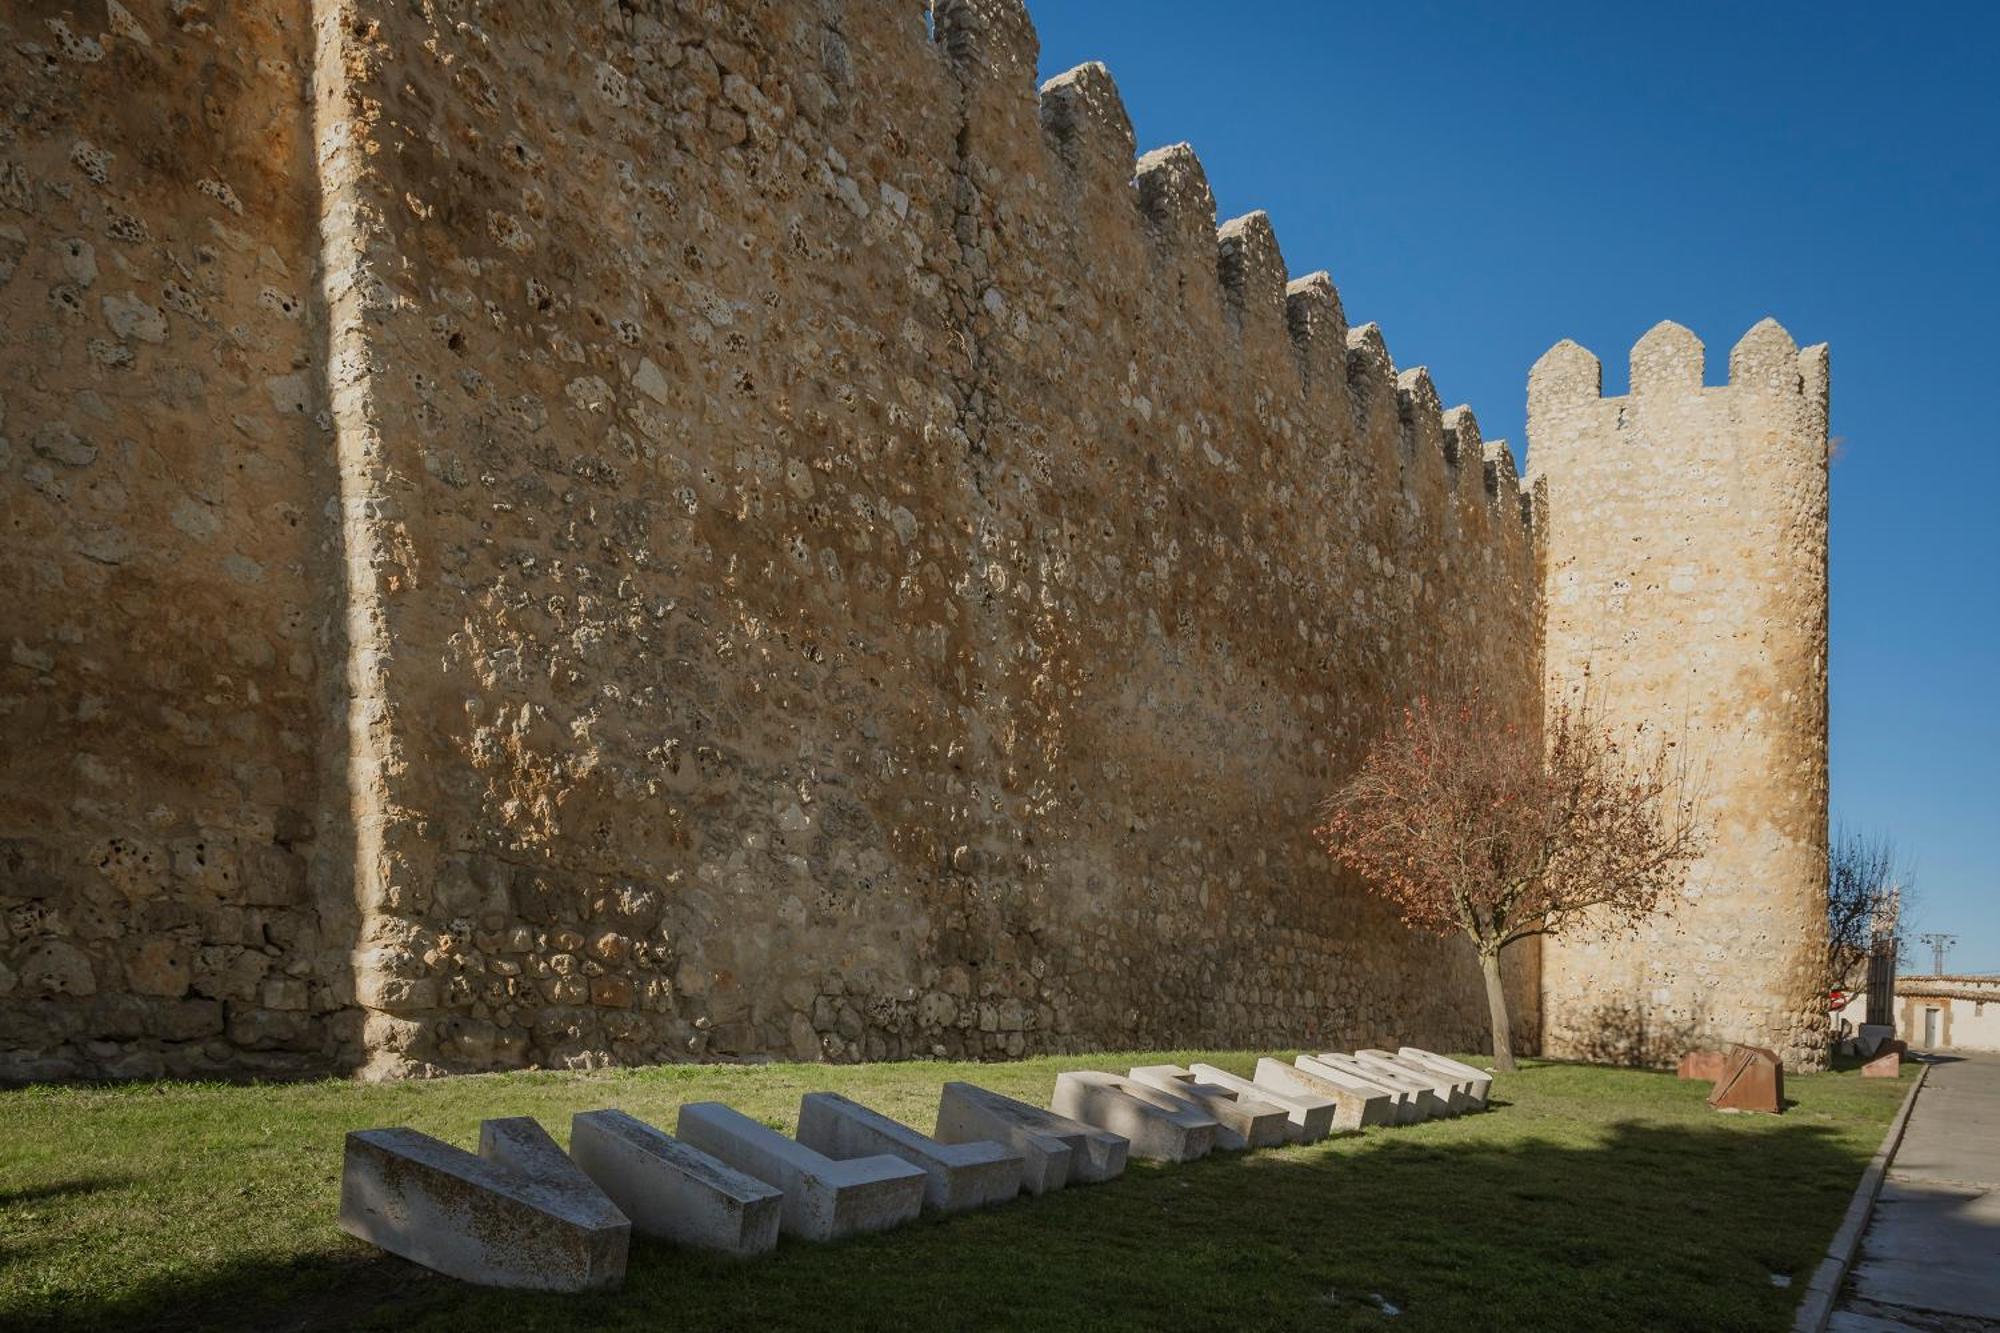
pixel 520 1214
pixel 1055 1149
pixel 673 1190
pixel 1481 1082
pixel 1241 1122
pixel 1160 1128
pixel 824 1199
pixel 961 1175
pixel 1358 1103
pixel 1309 1116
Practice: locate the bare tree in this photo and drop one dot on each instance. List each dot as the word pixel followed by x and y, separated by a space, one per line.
pixel 1468 822
pixel 1867 898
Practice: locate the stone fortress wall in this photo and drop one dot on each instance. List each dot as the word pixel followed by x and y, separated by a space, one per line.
pixel 1686 542
pixel 567 533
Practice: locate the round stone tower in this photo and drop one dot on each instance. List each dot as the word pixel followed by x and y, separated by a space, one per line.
pixel 1686 547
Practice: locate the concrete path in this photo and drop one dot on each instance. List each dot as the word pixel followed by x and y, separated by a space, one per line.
pixel 1930 1258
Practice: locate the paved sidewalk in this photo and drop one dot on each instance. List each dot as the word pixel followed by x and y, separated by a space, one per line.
pixel 1930 1258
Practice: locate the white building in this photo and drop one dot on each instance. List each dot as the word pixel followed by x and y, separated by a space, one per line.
pixel 1960 1013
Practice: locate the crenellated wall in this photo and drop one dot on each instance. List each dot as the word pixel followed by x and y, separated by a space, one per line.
pixel 1686 548
pixel 560 534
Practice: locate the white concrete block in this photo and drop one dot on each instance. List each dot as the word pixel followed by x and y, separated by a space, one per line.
pixel 1360 1103
pixel 824 1199
pixel 1241 1122
pixel 960 1175
pixel 1308 1116
pixel 1160 1128
pixel 1055 1149
pixel 1409 1109
pixel 1430 1104
pixel 520 1214
pixel 1456 1093
pixel 1480 1080
pixel 674 1190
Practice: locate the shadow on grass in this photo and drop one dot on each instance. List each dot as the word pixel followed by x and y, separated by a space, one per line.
pixel 1635 1225
pixel 61 1189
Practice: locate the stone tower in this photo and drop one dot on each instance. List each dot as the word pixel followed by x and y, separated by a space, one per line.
pixel 1686 573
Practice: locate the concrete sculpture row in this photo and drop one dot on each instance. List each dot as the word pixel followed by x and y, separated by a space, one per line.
pixel 522 1213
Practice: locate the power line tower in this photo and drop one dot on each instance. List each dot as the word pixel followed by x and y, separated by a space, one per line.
pixel 1940 946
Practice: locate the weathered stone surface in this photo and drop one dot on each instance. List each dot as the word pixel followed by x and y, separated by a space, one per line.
pixel 1754 1081
pixel 484 594
pixel 520 1214
pixel 1455 1092
pixel 824 1199
pixel 1479 1081
pixel 1309 1117
pixel 1687 541
pixel 1056 1150
pixel 1241 1121
pixel 673 1190
pixel 1869 1037
pixel 1159 1128
pixel 1708 1066
pixel 960 1175
pixel 1360 1102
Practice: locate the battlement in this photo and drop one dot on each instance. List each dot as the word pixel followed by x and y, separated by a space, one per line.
pixel 1669 360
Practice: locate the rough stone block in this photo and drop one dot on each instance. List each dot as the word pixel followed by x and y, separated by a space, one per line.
pixel 824 1199
pixel 1309 1116
pixel 674 1190
pixel 959 1175
pixel 1455 1092
pixel 1708 1066
pixel 1055 1149
pixel 1240 1122
pixel 1160 1128
pixel 1479 1080
pixel 1754 1081
pixel 1360 1103
pixel 519 1214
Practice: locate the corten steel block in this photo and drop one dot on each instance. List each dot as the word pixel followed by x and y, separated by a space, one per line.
pixel 520 1214
pixel 1754 1081
pixel 1707 1066
pixel 1889 1064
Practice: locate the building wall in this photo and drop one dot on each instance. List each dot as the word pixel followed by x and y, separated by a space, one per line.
pixel 771 535
pixel 164 589
pixel 1968 1013
pixel 751 529
pixel 1686 591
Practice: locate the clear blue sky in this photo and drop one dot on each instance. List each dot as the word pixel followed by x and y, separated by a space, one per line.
pixel 1482 180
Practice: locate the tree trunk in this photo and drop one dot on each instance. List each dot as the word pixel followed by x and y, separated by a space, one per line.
pixel 1496 1002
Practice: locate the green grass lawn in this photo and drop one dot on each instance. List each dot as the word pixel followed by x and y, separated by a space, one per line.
pixel 1588 1198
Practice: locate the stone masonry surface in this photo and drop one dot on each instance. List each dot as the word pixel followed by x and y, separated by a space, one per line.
pixel 568 533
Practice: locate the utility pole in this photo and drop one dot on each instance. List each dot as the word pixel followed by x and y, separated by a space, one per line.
pixel 1940 946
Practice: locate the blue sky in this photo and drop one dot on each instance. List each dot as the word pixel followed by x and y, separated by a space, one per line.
pixel 1483 180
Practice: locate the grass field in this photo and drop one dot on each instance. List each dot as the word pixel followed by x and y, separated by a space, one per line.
pixel 1589 1198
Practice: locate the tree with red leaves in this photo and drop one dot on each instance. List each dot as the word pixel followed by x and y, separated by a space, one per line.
pixel 1466 821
